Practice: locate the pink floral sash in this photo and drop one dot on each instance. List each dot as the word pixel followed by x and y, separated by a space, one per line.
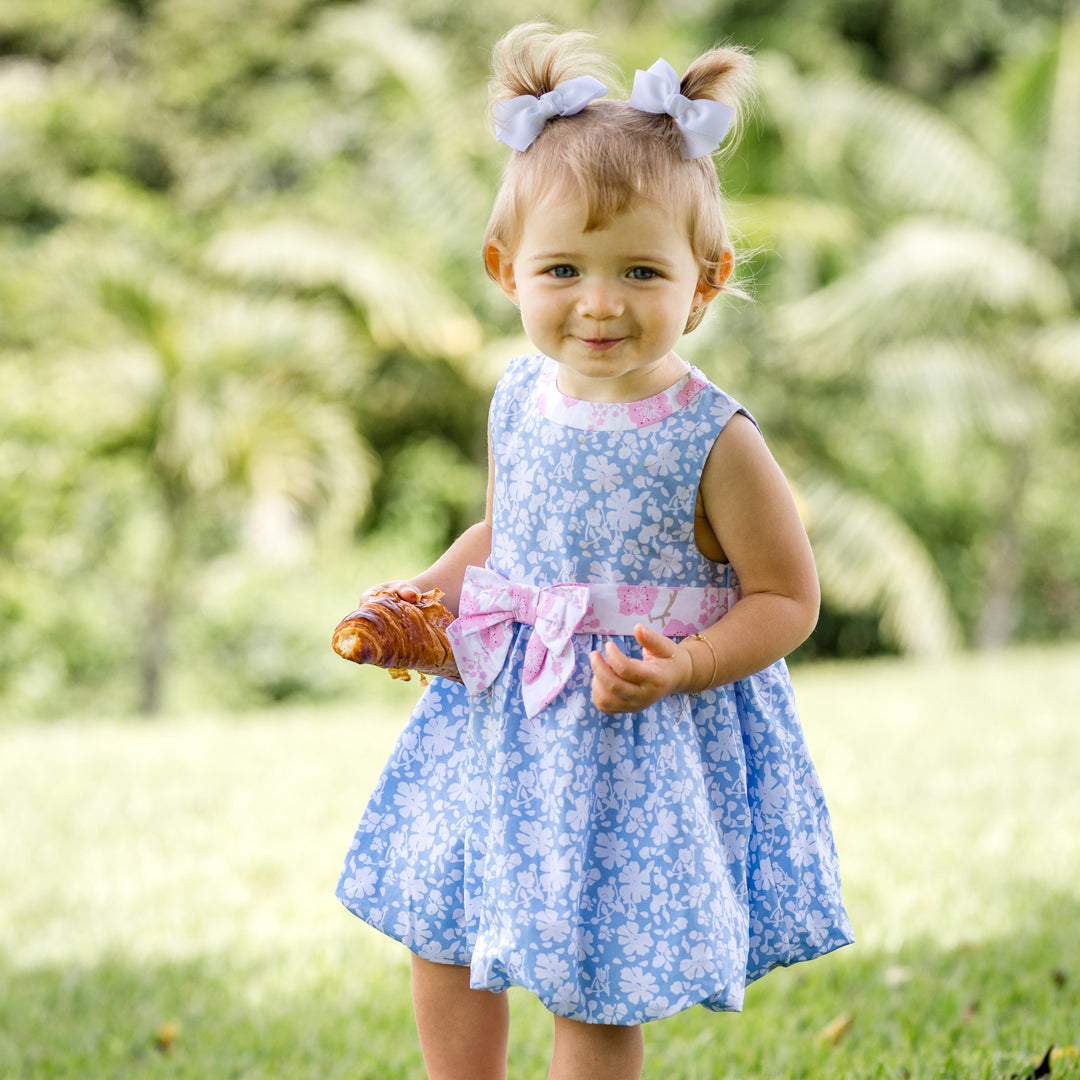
pixel 490 605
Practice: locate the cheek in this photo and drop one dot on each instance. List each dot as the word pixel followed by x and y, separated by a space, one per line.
pixel 674 309
pixel 538 308
pixel 537 321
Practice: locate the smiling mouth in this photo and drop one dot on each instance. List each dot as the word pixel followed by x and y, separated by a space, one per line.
pixel 602 343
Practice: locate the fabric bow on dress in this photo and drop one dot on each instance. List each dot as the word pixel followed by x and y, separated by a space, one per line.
pixel 482 632
pixel 703 122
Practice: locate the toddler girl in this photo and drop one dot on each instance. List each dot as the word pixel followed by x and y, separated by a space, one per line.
pixel 617 811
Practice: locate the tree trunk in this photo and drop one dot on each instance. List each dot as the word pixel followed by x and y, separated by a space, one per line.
pixel 1000 614
pixel 161 603
pixel 155 651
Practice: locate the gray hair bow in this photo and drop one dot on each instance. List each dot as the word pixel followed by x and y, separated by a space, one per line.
pixel 703 122
pixel 519 120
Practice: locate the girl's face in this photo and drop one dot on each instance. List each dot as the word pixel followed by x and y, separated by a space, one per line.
pixel 608 305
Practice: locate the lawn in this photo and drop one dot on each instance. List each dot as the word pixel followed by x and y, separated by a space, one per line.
pixel 167 909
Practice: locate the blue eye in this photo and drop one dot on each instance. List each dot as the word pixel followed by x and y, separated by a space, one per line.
pixel 642 273
pixel 564 271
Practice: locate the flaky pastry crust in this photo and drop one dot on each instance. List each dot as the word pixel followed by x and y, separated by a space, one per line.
pixel 399 635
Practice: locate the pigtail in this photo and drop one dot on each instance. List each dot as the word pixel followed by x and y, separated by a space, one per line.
pixel 610 151
pixel 725 74
pixel 534 58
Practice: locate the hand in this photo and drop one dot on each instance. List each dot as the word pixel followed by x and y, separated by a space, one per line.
pixel 405 589
pixel 622 684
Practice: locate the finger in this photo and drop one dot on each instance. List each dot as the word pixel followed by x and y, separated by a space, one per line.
pixel 608 690
pixel 607 702
pixel 405 589
pixel 630 676
pixel 618 661
pixel 653 642
pixel 603 672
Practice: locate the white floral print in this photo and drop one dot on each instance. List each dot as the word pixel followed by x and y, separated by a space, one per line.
pixel 624 867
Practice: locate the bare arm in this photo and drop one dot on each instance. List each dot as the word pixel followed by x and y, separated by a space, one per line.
pixel 750 510
pixel 471 548
pixel 750 507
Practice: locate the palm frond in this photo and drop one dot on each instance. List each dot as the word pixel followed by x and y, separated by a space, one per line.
pixel 954 387
pixel 926 276
pixel 868 559
pixel 1059 195
pixel 404 305
pixel 229 393
pixel 289 445
pixel 371 40
pixel 906 154
pixel 1055 350
pixel 140 304
pixel 770 221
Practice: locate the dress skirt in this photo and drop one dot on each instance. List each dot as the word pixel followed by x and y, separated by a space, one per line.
pixel 620 867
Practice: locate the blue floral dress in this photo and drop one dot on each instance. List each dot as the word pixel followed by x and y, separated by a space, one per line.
pixel 620 867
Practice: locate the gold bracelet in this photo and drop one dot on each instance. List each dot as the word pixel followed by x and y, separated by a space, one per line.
pixel 715 662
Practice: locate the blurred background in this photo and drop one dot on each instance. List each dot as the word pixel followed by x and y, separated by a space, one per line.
pixel 247 343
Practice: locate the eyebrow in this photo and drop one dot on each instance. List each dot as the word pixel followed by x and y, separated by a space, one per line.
pixel 574 256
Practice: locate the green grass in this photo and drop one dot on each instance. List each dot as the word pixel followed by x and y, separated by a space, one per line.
pixel 178 878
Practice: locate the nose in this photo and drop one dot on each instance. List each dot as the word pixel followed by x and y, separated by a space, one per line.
pixel 599 300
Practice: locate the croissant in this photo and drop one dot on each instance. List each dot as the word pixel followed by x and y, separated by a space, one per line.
pixel 393 633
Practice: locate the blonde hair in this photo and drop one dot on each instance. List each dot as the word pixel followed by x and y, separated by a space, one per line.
pixel 613 154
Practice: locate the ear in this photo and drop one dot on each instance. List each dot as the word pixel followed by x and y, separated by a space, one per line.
pixel 500 268
pixel 706 292
pixel 727 264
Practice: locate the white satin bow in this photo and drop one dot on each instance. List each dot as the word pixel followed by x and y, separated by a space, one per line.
pixel 703 122
pixel 519 120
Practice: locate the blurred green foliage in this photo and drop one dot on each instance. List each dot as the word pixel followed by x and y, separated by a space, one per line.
pixel 246 344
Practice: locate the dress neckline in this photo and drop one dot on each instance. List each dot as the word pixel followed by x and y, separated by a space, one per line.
pixel 612 415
